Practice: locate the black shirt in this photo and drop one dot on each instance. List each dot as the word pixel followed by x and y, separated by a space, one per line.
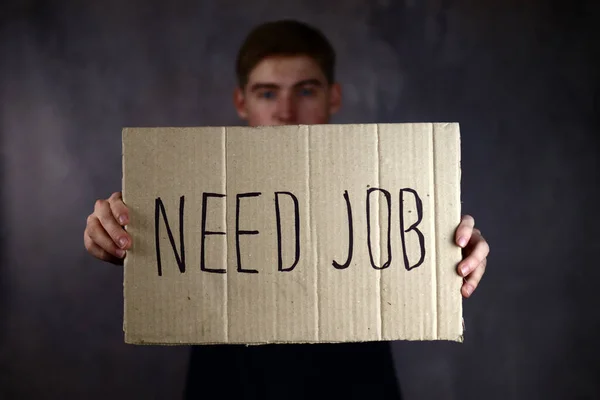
pixel 293 371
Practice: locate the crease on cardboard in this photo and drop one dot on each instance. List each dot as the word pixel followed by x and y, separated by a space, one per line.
pixel 226 322
pixel 435 257
pixel 379 230
pixel 311 236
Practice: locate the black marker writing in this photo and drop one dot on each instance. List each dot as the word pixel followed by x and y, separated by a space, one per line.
pixel 336 265
pixel 389 242
pixel 296 230
pixel 205 197
pixel 238 232
pixel 159 208
pixel 413 227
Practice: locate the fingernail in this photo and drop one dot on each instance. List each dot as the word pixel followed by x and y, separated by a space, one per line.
pixel 122 242
pixel 122 220
pixel 469 289
pixel 462 242
pixel 464 270
pixel 120 253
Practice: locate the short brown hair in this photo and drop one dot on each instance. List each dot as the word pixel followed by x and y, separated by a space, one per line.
pixel 284 38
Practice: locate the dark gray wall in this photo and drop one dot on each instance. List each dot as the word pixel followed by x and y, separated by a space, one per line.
pixel 520 76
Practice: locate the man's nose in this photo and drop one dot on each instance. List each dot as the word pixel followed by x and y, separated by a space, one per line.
pixel 286 109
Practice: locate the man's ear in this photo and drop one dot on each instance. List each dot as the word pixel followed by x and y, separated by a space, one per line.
pixel 239 102
pixel 335 98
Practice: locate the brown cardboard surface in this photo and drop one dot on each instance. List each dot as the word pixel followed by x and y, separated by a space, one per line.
pixel 258 242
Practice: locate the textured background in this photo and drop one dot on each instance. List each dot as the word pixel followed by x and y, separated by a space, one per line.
pixel 520 76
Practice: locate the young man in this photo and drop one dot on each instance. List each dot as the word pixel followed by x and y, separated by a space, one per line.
pixel 285 73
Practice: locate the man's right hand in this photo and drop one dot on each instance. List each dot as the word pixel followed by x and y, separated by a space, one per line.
pixel 105 237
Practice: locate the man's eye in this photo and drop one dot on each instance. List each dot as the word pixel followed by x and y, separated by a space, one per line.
pixel 306 92
pixel 267 95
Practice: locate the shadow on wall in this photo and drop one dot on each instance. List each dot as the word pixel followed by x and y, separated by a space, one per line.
pixel 4 287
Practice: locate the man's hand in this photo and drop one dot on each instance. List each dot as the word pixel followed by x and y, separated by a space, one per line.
pixel 475 252
pixel 104 236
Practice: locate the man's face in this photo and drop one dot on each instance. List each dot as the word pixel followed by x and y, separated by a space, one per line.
pixel 287 91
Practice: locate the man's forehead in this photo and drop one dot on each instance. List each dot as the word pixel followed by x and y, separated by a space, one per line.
pixel 286 70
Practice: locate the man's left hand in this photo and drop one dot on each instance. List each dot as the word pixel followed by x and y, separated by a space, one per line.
pixel 475 252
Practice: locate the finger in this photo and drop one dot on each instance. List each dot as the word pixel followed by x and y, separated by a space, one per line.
pixel 464 230
pixel 118 208
pixel 479 252
pixel 99 252
pixel 473 280
pixel 101 238
pixel 103 213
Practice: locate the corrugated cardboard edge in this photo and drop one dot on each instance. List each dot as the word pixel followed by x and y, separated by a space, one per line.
pixel 461 336
pixel 454 128
pixel 123 195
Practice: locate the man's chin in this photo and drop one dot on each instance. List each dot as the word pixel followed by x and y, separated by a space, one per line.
pixel 284 123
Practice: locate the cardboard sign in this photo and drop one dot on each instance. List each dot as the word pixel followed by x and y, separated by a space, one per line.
pixel 321 233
